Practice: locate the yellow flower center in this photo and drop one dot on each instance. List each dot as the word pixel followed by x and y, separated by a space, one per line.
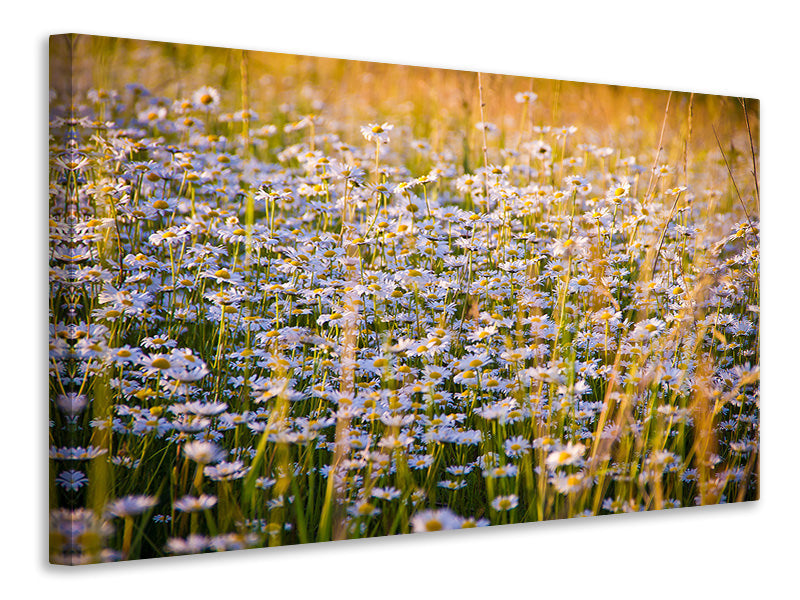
pixel 433 525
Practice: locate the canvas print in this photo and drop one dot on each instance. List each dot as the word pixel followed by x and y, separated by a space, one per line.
pixel 299 299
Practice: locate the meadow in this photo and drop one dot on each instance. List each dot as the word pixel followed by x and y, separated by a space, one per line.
pixel 298 299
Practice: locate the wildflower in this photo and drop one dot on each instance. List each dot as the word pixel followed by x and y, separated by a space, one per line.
pixel 226 471
pixel 451 485
pixel 193 504
pixel 206 98
pixel 525 97
pixel 619 191
pixel 505 502
pixel 459 469
pixel 435 520
pixel 570 454
pixel 567 484
pixel 501 471
pixel 193 544
pixel 363 508
pixel 420 462
pixel 516 446
pixel 377 133
pixel 72 480
pixel 387 493
pixel 471 522
pixel 203 453
pixel 130 506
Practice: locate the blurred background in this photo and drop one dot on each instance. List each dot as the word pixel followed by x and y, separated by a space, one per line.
pixel 438 105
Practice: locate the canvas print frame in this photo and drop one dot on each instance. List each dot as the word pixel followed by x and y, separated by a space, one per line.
pixel 426 299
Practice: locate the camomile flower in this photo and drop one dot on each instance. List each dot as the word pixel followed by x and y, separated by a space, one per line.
pixel 203 453
pixel 471 522
pixel 194 544
pixel 474 361
pixel 206 98
pixel 420 462
pixel 130 506
pixel 662 170
pixel 539 149
pixel 515 355
pixel 72 479
pixel 489 128
pixel 410 277
pixel 645 330
pixel 152 115
pixel 581 284
pixel 481 334
pixel 77 453
pixel 157 342
pixel 435 520
pixel 472 437
pixel 564 131
pixel 608 316
pixel 173 235
pixel 226 471
pixel 575 181
pixel 525 97
pixel 516 446
pixel 571 454
pixel 505 502
pixel 363 508
pixel 347 172
pixel 386 493
pixel 501 471
pixel 125 354
pixel 572 246
pixel 194 504
pixel 459 470
pixel 451 485
pixel 377 133
pixel 619 191
pixel 467 377
pixel 154 363
pixel 603 152
pixel 567 484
